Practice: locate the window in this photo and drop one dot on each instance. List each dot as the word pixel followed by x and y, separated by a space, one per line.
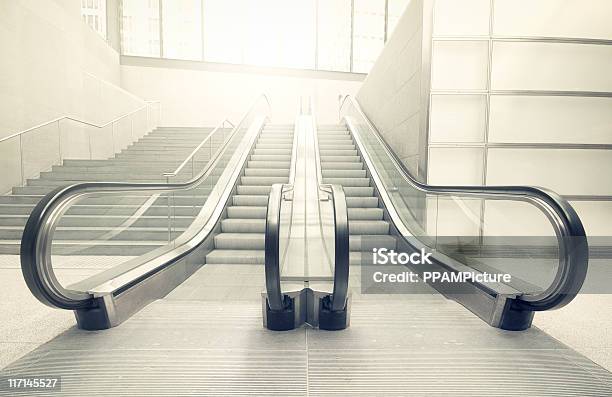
pixel 395 9
pixel 368 33
pixel 334 36
pixel 140 28
pixel 182 29
pixel 268 33
pixel 94 15
pixel 305 34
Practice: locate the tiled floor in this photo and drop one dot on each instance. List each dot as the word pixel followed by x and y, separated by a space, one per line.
pixel 26 323
pixel 585 324
pixel 198 341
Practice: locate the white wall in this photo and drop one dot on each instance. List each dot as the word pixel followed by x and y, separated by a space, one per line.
pixel 482 135
pixel 47 52
pixel 52 65
pixel 193 97
pixel 391 94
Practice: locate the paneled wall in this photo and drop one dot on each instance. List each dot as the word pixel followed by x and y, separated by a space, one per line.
pixel 53 65
pixel 521 93
pixel 392 94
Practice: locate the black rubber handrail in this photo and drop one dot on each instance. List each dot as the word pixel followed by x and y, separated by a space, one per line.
pixel 272 248
pixel 341 249
pixel 35 253
pixel 339 295
pixel 571 236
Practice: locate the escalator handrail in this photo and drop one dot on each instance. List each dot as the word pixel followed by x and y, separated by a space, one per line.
pixel 35 252
pixel 272 247
pixel 571 236
pixel 341 249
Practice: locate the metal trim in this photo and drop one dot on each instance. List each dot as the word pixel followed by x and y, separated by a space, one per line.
pixel 589 94
pixel 526 39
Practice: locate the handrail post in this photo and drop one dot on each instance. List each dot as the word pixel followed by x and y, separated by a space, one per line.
pixel 279 309
pixel 59 142
pixel 334 308
pixel 21 160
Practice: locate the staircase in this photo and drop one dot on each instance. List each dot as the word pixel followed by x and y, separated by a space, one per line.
pixel 341 164
pixel 91 226
pixel 242 236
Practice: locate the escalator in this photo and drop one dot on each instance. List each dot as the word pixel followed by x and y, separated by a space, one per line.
pixel 287 210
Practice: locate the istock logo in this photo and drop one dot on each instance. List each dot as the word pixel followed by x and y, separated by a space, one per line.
pixel 384 256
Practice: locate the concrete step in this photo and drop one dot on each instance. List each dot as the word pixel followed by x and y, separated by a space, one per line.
pixel 271 157
pixel 338 152
pixel 354 165
pixel 42 190
pixel 97 233
pixel 282 152
pixel 340 159
pixel 339 145
pixel 353 191
pixel 368 227
pixel 236 257
pixel 267 172
pixel 159 209
pixel 362 202
pixel 102 220
pixel 348 181
pixel 274 146
pixel 249 200
pixel 240 241
pixel 101 248
pixel 263 180
pixel 243 225
pixel 254 190
pixel 117 178
pixel 365 214
pixel 366 243
pixel 269 164
pixel 249 212
pixel 108 176
pixel 125 162
pixel 327 173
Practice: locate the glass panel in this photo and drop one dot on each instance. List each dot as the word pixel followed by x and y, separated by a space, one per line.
pixel 368 33
pixel 334 36
pixel 506 235
pixel 541 119
pixel 551 66
pixel 140 28
pixel 550 18
pixel 182 30
pixel 135 223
